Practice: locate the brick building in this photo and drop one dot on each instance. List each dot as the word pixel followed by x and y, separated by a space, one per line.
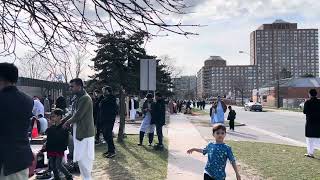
pixel 291 92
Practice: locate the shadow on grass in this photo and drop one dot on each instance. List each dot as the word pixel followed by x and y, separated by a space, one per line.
pixel 243 135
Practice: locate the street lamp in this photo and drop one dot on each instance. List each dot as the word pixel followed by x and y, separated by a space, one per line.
pixel 257 73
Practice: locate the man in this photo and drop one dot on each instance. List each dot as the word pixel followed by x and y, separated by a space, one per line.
pixel 146 123
pixel 108 113
pixel 133 106
pixel 312 112
pixel 81 119
pixel 38 107
pixel 15 112
pixel 96 114
pixel 158 117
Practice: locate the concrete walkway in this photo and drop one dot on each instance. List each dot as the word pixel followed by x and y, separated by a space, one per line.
pixel 183 135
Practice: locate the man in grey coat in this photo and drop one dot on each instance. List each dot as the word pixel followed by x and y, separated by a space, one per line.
pixel 82 121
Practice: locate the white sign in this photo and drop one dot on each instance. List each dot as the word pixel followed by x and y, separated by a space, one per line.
pixel 148 69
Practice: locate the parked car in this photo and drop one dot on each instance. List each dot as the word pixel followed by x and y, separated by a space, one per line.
pixel 301 105
pixel 252 106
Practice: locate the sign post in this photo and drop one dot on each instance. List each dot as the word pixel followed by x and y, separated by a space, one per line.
pixel 148 78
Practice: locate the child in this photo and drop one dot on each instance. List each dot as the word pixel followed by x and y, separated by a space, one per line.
pixel 57 142
pixel 218 153
pixel 231 117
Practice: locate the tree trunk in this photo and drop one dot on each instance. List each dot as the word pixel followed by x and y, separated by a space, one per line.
pixel 122 116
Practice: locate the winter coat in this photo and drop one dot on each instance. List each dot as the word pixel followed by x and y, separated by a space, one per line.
pixel 16 111
pixel 57 139
pixel 158 113
pixel 108 109
pixel 312 111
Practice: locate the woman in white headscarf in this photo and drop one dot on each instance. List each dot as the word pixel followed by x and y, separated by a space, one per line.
pixel 217 112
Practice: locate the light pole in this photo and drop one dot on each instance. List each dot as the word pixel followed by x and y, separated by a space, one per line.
pixel 256 76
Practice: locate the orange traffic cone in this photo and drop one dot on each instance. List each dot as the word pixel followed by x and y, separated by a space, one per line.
pixel 34 132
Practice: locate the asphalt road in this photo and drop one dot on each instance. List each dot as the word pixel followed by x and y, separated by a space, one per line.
pixel 283 123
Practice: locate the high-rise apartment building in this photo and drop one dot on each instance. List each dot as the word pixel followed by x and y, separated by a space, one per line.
pixel 282 50
pixel 215 78
pixel 278 50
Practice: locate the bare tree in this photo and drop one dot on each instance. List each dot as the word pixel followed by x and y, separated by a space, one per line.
pixel 31 67
pixel 72 66
pixel 48 27
pixel 171 66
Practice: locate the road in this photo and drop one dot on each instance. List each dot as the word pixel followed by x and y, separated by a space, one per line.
pixel 283 123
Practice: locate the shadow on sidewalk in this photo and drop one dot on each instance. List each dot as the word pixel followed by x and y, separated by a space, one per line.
pixel 187 162
pixel 243 135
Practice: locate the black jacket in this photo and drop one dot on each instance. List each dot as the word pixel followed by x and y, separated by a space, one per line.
pixel 15 113
pixel 158 113
pixel 312 111
pixel 232 115
pixel 57 139
pixel 108 109
pixel 96 110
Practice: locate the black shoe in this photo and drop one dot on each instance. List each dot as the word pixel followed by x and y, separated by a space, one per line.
pixel 97 142
pixel 69 178
pixel 105 154
pixel 139 144
pixel 47 175
pixel 150 144
pixel 158 147
pixel 42 172
pixel 111 155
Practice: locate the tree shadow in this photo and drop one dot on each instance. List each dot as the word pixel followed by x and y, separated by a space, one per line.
pixel 242 135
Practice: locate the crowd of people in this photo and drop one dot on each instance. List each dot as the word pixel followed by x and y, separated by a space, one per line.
pixel 75 129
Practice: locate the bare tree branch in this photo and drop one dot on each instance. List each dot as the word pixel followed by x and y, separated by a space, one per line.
pixel 48 27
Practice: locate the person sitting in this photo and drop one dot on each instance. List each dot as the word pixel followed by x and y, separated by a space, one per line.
pixel 43 124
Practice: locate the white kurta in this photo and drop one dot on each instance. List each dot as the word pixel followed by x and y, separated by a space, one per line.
pixel 146 125
pixel 132 111
pixel 83 154
pixel 38 108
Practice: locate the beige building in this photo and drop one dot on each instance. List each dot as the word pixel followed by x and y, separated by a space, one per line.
pixel 281 49
pixel 215 78
pixel 278 50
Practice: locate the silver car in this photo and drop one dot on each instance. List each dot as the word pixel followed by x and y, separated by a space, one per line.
pixel 251 106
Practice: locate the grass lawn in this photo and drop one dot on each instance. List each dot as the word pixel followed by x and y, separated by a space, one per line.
pixel 132 161
pixel 199 112
pixel 277 162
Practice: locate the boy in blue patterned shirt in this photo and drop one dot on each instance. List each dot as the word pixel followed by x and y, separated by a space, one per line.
pixel 218 153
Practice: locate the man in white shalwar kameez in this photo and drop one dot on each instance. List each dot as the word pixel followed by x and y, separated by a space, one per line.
pixel 133 108
pixel 312 128
pixel 83 129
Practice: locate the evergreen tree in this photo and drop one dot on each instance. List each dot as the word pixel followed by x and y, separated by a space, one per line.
pixel 117 63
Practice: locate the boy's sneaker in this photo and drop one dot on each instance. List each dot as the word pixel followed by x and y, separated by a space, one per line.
pixel 111 155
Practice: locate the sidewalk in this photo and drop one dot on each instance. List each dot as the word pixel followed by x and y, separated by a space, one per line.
pixel 183 135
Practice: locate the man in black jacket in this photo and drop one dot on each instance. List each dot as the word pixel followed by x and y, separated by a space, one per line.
pixel 96 114
pixel 108 113
pixel 15 112
pixel 312 111
pixel 158 117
